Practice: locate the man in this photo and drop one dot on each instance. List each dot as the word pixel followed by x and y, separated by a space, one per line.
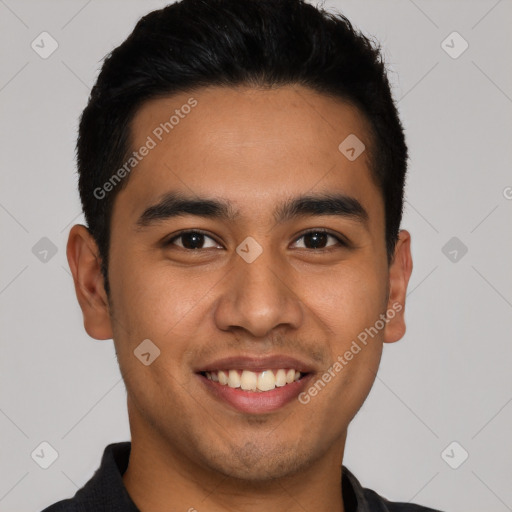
pixel 242 167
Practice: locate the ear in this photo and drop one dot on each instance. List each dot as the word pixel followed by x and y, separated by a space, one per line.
pixel 399 273
pixel 85 264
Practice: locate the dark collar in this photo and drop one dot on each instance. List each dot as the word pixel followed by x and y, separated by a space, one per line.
pixel 105 491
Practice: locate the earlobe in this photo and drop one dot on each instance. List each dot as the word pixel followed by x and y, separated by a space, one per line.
pixel 85 265
pixel 399 273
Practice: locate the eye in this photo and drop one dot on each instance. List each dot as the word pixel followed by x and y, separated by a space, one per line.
pixel 192 240
pixel 318 239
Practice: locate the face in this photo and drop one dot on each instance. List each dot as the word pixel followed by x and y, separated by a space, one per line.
pixel 246 240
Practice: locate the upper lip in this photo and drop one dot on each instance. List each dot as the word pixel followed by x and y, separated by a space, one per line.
pixel 256 364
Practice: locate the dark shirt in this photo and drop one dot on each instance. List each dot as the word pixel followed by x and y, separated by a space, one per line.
pixel 105 491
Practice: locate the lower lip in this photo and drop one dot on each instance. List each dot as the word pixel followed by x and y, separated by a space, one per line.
pixel 254 402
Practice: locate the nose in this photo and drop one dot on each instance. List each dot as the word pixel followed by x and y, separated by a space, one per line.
pixel 259 297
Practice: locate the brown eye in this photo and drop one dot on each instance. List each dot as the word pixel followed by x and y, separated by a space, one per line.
pixel 192 240
pixel 319 239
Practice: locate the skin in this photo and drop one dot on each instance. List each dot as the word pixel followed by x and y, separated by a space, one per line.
pixel 254 148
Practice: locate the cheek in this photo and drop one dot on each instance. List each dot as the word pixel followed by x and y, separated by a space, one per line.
pixel 347 300
pixel 151 305
pixel 160 303
pixel 350 312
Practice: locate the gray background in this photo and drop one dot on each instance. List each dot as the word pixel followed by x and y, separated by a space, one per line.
pixel 448 380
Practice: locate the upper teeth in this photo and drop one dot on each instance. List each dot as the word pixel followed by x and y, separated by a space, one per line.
pixel 252 381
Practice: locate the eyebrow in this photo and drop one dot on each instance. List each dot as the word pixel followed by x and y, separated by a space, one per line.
pixel 174 204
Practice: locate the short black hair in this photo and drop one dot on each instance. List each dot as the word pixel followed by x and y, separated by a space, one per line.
pixel 260 43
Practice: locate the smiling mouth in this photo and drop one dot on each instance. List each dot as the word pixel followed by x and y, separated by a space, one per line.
pixel 258 382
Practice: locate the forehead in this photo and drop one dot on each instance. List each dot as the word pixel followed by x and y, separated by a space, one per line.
pixel 249 146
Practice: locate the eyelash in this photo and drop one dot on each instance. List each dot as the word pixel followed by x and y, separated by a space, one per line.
pixel 339 239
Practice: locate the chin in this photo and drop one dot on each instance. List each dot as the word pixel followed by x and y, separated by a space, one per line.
pixel 253 464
